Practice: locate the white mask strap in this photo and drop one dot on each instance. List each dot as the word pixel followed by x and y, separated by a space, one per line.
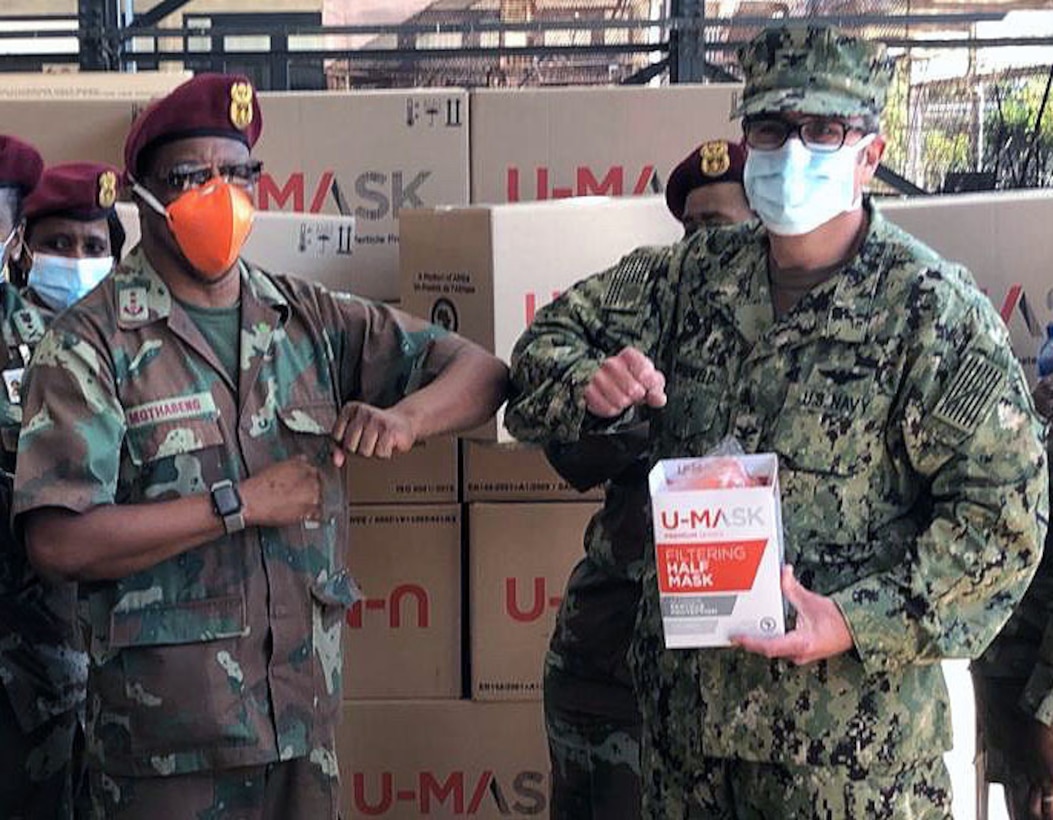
pixel 148 198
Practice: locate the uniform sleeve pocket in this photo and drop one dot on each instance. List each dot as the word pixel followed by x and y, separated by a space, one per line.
pixel 208 619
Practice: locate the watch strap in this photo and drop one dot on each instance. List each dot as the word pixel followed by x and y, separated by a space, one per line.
pixel 233 516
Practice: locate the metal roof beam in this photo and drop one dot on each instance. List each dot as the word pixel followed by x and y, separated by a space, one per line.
pixel 899 182
pixel 155 15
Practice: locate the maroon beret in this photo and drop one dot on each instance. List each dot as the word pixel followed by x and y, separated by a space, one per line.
pixel 209 105
pixel 712 162
pixel 20 164
pixel 81 190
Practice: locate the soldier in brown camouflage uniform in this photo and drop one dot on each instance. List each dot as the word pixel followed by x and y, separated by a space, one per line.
pixel 591 717
pixel 43 671
pixel 914 488
pixel 186 425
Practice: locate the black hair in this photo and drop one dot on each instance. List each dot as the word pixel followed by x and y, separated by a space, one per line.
pixel 117 235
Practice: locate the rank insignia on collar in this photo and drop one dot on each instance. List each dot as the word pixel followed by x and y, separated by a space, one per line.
pixel 28 325
pixel 131 304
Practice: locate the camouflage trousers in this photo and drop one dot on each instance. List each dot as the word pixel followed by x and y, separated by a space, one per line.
pixel 298 789
pixel 40 771
pixel 594 749
pixel 1001 728
pixel 724 789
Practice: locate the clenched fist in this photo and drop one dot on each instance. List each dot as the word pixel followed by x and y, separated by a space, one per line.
pixel 371 432
pixel 623 381
pixel 285 493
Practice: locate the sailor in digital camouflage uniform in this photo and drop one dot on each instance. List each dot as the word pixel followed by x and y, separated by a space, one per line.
pixel 591 717
pixel 912 472
pixel 1013 680
pixel 42 675
pixel 186 425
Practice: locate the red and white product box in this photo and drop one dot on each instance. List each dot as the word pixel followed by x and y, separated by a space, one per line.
pixel 718 548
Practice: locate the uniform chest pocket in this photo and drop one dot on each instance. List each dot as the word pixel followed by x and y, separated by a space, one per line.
pixel 830 428
pixel 176 458
pixel 308 429
pixel 315 418
pixel 829 439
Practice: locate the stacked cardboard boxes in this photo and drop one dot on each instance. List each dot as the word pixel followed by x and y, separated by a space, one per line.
pixel 525 528
pixel 372 155
pixel 462 550
pixel 403 640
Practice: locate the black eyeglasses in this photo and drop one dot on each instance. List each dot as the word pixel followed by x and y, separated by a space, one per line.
pixel 181 178
pixel 819 134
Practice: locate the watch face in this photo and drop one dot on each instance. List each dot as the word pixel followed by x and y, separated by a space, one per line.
pixel 227 500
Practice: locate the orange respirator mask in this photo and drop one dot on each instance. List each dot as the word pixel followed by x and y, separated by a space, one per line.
pixel 210 223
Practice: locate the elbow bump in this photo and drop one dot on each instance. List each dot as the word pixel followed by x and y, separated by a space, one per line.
pixel 51 563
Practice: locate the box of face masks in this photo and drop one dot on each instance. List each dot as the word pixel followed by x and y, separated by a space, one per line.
pixel 718 548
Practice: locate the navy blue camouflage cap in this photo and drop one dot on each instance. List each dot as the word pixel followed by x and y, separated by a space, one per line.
pixel 813 70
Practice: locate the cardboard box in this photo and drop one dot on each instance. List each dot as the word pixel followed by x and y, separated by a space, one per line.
pixel 427 474
pixel 484 271
pixel 71 130
pixel 404 639
pixel 514 472
pixel 519 559
pixel 534 144
pixel 91 85
pixel 407 759
pixel 718 548
pixel 1005 241
pixel 367 154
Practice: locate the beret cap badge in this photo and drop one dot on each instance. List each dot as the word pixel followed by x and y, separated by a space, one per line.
pixel 241 105
pixel 714 157
pixel 107 189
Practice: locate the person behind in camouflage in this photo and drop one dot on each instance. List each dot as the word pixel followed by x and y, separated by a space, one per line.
pixel 912 473
pixel 42 675
pixel 186 426
pixel 73 234
pixel 41 652
pixel 1013 682
pixel 591 717
pixel 705 188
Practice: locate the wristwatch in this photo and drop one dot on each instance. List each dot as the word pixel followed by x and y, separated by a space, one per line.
pixel 227 503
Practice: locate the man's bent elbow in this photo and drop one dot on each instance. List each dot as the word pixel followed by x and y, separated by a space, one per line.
pixel 47 553
pixel 499 381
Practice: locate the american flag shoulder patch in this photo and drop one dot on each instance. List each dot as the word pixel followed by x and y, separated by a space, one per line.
pixel 969 398
pixel 628 283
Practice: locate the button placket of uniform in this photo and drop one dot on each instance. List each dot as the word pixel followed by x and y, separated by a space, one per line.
pixel 287 623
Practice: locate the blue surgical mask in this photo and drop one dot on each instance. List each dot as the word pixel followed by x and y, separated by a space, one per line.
pixel 60 281
pixel 794 190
